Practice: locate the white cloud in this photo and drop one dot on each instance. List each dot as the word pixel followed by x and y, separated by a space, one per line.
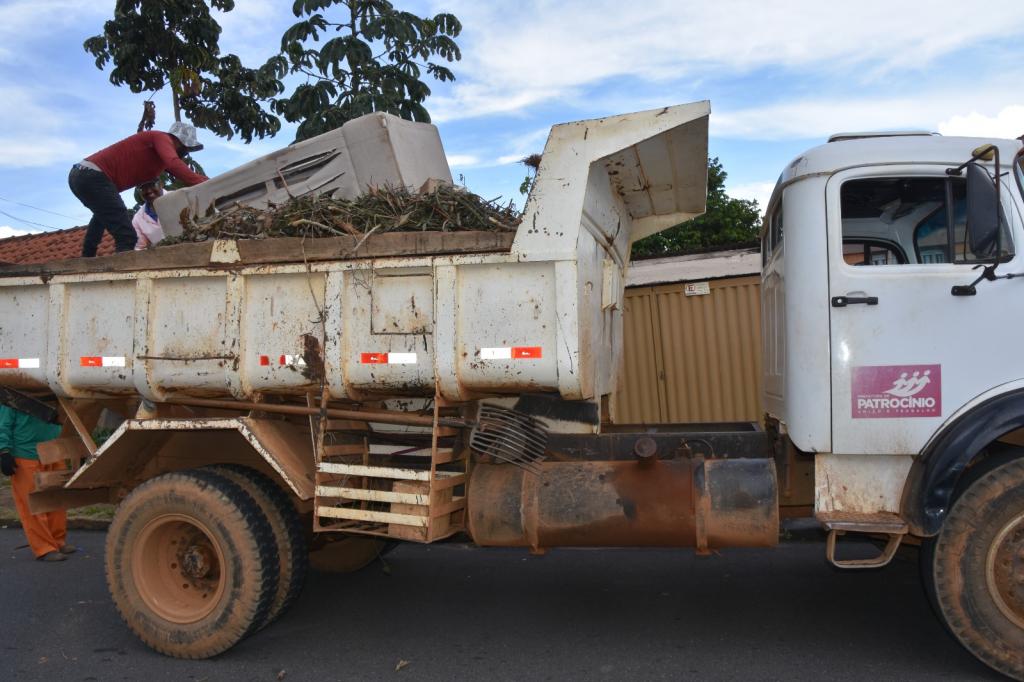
pixel 760 192
pixel 521 146
pixel 553 49
pixel 463 160
pixel 33 134
pixel 8 231
pixel 1007 123
pixel 822 116
pixel 37 151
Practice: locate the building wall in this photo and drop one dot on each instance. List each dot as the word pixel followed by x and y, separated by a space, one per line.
pixel 691 358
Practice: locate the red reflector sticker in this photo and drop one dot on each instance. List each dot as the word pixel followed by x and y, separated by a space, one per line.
pixel 374 358
pixel 264 360
pixel 526 352
pixel 8 363
pixel 91 361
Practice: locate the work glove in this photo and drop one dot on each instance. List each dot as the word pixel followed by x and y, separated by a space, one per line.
pixel 7 463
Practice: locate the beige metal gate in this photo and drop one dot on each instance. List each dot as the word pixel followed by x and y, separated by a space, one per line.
pixel 691 358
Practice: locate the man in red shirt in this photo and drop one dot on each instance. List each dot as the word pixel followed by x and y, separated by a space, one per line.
pixel 99 179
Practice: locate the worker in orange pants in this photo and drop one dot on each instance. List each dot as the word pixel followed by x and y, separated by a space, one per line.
pixel 19 435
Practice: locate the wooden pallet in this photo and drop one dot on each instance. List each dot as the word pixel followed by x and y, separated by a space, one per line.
pixel 421 499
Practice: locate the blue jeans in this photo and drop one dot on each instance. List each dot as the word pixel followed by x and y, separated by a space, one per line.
pixel 98 193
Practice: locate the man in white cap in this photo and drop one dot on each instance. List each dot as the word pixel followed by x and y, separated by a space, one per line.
pixel 99 179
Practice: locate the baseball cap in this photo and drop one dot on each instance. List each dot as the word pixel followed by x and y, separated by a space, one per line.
pixel 186 133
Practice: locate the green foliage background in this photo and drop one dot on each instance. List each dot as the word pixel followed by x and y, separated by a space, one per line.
pixel 727 223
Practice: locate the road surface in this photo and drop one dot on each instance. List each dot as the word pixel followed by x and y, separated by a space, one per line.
pixel 452 612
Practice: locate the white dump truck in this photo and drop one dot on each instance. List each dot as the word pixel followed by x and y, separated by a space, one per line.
pixel 287 398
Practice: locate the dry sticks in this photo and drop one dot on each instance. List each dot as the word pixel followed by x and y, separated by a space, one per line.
pixel 442 208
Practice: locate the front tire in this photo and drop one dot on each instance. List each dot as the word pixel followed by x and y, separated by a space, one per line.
pixel 191 563
pixel 977 569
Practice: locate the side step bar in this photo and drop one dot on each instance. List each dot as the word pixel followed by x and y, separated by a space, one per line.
pixel 882 523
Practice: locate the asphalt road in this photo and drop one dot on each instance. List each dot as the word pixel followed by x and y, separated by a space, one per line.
pixel 452 612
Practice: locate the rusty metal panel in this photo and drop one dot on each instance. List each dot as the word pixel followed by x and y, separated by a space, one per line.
pixel 707 347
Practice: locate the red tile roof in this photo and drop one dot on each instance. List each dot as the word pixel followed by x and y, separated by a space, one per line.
pixel 47 246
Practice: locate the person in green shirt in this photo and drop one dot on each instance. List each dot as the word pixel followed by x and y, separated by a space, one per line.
pixel 20 433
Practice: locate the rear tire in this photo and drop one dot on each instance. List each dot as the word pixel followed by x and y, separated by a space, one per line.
pixel 292 548
pixel 191 563
pixel 977 569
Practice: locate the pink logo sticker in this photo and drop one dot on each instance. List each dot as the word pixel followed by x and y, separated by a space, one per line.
pixel 897 391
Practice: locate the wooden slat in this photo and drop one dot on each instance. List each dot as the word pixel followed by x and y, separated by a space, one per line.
pixel 346 425
pixel 445 455
pixel 380 517
pixel 371 495
pixel 298 250
pixel 343 449
pixel 60 449
pixel 43 501
pixel 51 479
pixel 374 472
pixel 278 250
pixel 448 481
pixel 76 422
pixel 443 509
pixel 166 257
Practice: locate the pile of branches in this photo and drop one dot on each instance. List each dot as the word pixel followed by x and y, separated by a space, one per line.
pixel 444 208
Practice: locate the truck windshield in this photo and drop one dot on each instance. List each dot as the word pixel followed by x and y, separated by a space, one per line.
pixel 907 220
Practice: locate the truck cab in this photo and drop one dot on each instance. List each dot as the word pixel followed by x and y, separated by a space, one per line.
pixel 889 331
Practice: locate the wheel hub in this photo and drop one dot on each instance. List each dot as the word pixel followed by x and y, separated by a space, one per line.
pixel 1006 570
pixel 197 561
pixel 178 570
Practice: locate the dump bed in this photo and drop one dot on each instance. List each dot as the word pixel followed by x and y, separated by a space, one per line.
pixel 469 314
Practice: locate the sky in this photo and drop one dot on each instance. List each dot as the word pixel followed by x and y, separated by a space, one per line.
pixel 781 76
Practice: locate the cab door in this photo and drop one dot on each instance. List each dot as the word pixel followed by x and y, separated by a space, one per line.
pixel 905 352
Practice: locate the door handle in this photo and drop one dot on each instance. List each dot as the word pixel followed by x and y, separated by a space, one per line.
pixel 843 301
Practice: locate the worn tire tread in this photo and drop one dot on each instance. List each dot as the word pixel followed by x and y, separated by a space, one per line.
pixel 252 523
pixel 289 535
pixel 950 564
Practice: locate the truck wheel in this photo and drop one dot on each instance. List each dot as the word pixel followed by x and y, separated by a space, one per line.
pixel 977 569
pixel 191 563
pixel 292 548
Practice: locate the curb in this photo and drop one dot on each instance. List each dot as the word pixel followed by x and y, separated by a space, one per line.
pixel 73 523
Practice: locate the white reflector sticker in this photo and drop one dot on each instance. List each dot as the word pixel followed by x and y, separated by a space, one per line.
pixel 102 361
pixel 387 358
pixel 513 353
pixel 401 358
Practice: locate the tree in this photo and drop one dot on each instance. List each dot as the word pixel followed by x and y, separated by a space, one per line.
pixel 375 64
pixel 727 222
pixel 156 43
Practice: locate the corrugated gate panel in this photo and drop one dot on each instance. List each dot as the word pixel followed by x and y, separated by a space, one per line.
pixel 641 388
pixel 708 348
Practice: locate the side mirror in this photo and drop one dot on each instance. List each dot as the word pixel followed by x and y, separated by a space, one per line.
pixel 983 213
